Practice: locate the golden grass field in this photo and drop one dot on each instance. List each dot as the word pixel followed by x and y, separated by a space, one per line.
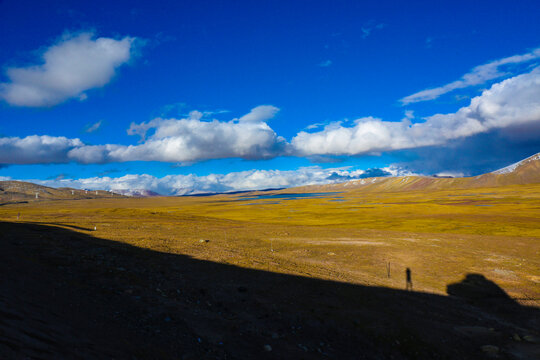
pixel 350 236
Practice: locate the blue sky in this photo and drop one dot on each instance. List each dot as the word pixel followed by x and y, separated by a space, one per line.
pixel 223 95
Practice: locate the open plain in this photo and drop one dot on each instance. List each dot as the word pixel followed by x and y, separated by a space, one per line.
pixel 232 180
pixel 294 272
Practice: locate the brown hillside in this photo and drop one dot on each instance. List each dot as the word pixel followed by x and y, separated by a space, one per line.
pixel 526 171
pixel 16 191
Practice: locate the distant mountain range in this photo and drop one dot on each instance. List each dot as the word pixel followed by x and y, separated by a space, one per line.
pixel 526 171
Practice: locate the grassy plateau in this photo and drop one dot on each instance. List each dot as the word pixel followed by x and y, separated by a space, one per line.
pixel 347 236
pixel 274 275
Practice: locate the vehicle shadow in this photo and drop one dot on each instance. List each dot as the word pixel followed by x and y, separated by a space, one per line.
pixel 481 292
pixel 64 294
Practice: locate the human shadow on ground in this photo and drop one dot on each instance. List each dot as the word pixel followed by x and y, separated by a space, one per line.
pixel 65 294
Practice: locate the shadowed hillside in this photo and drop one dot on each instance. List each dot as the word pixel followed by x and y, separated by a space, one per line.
pixel 65 294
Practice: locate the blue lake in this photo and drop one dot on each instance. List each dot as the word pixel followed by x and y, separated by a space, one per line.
pixel 290 196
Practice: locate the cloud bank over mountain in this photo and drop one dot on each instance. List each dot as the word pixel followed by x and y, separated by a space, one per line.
pixel 234 181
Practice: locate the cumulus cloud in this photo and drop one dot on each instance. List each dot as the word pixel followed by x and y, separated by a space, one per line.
pixel 193 139
pixel 234 181
pixel 367 135
pixel 260 113
pixel 172 140
pixel 70 67
pixel 478 75
pixel 508 103
pixel 36 149
pixel 477 154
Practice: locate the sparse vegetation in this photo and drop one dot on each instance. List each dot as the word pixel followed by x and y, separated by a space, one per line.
pixel 440 235
pixel 237 276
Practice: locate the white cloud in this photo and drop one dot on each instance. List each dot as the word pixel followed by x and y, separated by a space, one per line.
pixel 234 181
pixel 514 101
pixel 260 113
pixel 173 140
pixel 325 63
pixel 70 67
pixel 192 139
pixel 36 149
pixel 476 76
pixel 367 135
pixel 93 127
pixel 511 102
pixel 450 174
pixel 409 115
pixel 368 28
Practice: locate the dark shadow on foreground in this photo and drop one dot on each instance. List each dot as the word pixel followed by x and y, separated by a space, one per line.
pixel 68 295
pixel 57 224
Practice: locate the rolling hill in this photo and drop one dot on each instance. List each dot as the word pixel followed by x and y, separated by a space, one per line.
pixel 17 191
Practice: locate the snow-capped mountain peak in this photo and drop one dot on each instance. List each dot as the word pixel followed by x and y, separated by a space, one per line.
pixel 510 168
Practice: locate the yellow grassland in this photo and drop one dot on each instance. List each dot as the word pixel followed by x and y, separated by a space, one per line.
pixel 349 236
